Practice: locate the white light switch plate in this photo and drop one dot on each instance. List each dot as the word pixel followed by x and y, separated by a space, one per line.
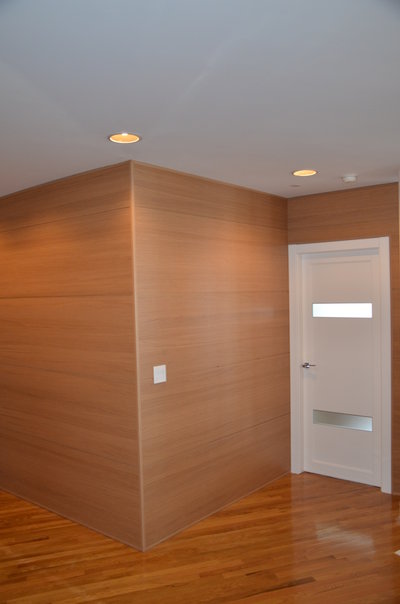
pixel 159 374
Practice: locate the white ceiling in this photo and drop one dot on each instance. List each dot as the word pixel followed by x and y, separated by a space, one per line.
pixel 243 91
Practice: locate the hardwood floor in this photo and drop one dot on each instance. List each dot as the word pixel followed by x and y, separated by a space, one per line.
pixel 300 539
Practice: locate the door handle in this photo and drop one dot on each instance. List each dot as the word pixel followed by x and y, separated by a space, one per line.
pixel 307 365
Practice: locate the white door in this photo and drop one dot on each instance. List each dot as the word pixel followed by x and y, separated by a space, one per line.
pixel 344 310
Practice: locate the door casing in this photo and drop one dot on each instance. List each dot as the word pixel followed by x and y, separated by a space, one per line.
pixel 296 251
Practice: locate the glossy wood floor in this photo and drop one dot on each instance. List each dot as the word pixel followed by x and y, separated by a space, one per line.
pixel 301 539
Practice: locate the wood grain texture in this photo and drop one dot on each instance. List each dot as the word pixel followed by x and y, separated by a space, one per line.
pixel 356 214
pixel 168 190
pixel 68 414
pixel 69 257
pixel 94 489
pixel 40 345
pixel 305 539
pixel 86 193
pixel 211 303
pixel 181 489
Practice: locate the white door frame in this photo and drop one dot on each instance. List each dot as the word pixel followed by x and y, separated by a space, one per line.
pixel 296 252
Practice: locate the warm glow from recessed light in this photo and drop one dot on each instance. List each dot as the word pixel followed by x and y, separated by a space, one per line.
pixel 304 172
pixel 124 138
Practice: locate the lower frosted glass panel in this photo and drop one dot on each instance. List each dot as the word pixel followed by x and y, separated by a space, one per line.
pixel 342 420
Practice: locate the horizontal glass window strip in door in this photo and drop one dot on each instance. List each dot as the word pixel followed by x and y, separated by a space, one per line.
pixel 342 420
pixel 345 310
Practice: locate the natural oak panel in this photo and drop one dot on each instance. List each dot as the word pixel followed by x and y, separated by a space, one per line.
pixel 241 462
pixel 212 304
pixel 68 374
pixel 211 414
pixel 90 192
pixel 355 214
pixel 77 256
pixel 224 345
pixel 160 189
pixel 92 489
pixel 202 328
pixel 68 406
pixel 88 336
pixel 203 254
pixel 70 409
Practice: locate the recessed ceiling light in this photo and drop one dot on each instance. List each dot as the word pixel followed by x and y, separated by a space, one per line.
pixel 124 138
pixel 304 172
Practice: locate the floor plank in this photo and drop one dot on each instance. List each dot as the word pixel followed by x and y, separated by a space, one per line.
pixel 303 539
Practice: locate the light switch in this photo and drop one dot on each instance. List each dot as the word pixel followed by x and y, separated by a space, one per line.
pixel 159 374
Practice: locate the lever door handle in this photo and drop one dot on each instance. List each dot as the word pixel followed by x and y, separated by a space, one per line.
pixel 307 365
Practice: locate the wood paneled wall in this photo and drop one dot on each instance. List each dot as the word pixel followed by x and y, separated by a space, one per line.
pixel 68 415
pixel 134 266
pixel 355 214
pixel 212 304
